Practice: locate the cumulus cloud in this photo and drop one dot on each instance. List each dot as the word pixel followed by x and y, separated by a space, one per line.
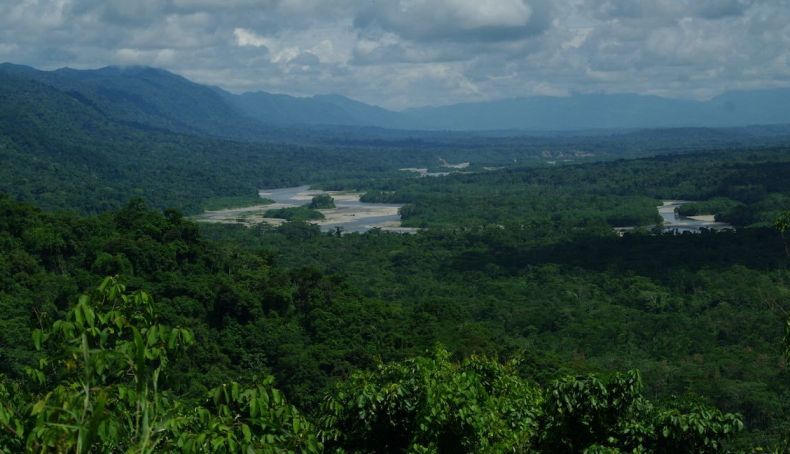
pixel 405 53
pixel 457 20
pixel 246 37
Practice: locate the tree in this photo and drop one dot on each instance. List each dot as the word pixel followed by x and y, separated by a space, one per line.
pixel 99 388
pixel 256 419
pixel 100 373
pixel 322 201
pixel 432 405
pixel 582 413
pixel 481 405
pixel 782 224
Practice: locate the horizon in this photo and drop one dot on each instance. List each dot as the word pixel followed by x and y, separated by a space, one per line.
pixel 417 53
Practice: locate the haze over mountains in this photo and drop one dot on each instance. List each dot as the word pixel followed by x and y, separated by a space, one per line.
pixel 156 98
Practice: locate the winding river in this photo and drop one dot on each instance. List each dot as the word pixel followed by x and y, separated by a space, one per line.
pixel 349 214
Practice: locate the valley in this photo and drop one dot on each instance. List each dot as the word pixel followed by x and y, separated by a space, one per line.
pixel 442 290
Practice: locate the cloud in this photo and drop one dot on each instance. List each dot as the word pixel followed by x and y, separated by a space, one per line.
pixel 669 9
pixel 246 37
pixel 404 53
pixel 718 9
pixel 457 20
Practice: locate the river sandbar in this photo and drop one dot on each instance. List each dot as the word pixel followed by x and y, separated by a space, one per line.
pixel 350 215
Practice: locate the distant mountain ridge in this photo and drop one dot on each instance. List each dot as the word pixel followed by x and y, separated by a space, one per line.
pixel 157 98
pixel 611 111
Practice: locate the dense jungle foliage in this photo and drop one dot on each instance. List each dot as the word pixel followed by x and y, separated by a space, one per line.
pixel 745 187
pixel 515 321
pixel 701 316
pixel 101 385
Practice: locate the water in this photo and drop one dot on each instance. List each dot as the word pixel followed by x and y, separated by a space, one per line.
pixel 679 224
pixel 350 214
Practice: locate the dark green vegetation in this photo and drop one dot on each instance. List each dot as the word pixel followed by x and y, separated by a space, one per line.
pixel 322 201
pixel 516 321
pixel 745 188
pixel 101 385
pixel 701 316
pixel 304 213
pixel 717 206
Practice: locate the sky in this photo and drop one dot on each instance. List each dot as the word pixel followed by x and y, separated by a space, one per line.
pixel 410 53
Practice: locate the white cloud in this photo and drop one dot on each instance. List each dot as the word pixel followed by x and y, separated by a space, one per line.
pixel 246 37
pixel 402 53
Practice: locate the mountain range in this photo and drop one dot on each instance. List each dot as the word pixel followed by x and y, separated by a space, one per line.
pixel 155 98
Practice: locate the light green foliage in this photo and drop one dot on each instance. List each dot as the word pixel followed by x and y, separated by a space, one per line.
pixel 12 428
pixel 480 405
pixel 580 412
pixel 592 415
pixel 430 405
pixel 101 370
pixel 257 419
pixel 99 389
pixel 698 429
pixel 782 224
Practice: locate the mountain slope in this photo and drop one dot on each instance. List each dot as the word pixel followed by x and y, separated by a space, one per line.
pixel 62 149
pixel 158 99
pixel 336 110
pixel 148 97
pixel 288 110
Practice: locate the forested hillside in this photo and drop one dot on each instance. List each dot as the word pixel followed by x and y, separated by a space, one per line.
pixel 63 153
pixel 146 97
pixel 312 320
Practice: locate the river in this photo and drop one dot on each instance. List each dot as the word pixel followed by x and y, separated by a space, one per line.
pixel 349 214
pixel 679 224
